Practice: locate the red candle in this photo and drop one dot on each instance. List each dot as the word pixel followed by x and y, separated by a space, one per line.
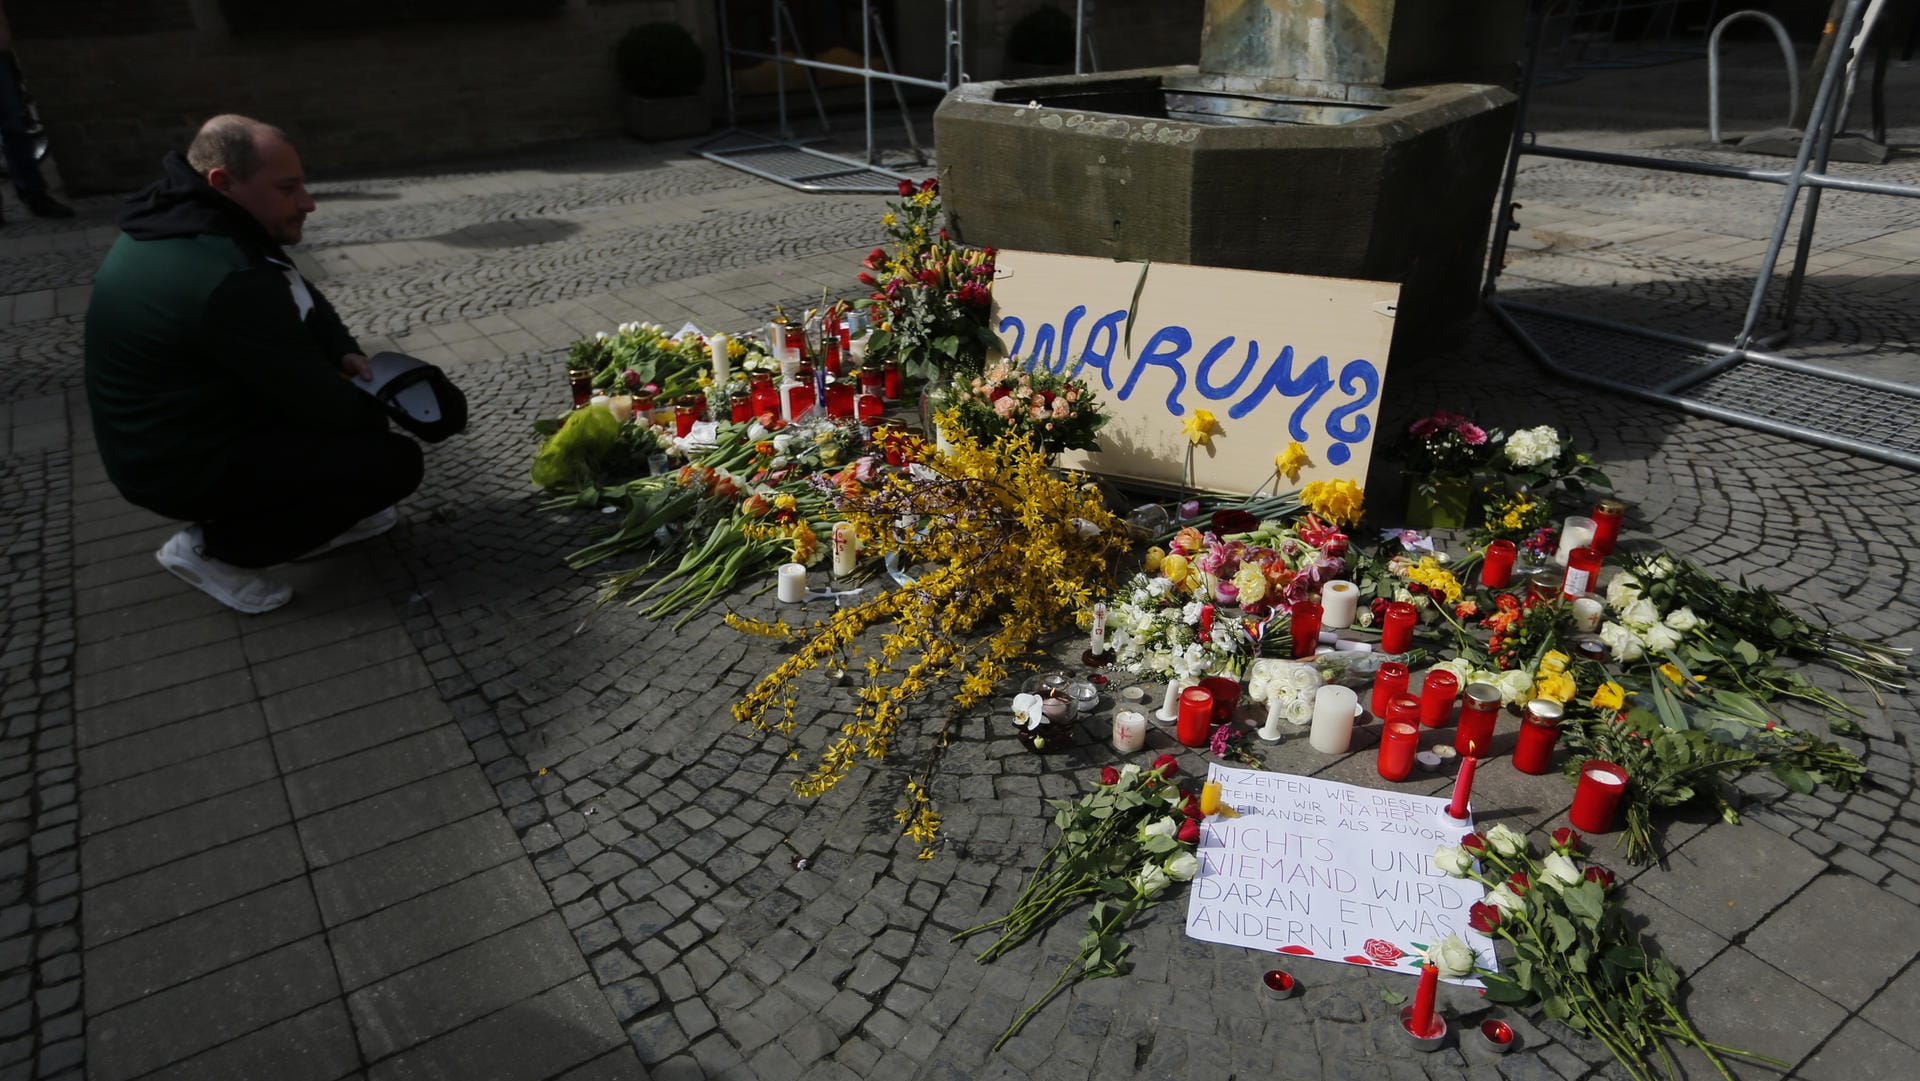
pixel 832 361
pixel 1539 731
pixel 1478 709
pixel 580 382
pixel 799 400
pixel 1196 717
pixel 869 407
pixel 1305 623
pixel 1583 572
pixel 1396 634
pixel 1496 569
pixel 1404 709
pixel 739 408
pixel 1226 695
pixel 1596 799
pixel 839 399
pixel 1423 1026
pixel 762 395
pixel 1398 741
pixel 1436 697
pixel 872 379
pixel 1463 787
pixel 683 418
pixel 890 381
pixel 1390 680
pixel 1607 517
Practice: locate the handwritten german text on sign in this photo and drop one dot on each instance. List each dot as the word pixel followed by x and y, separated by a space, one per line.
pixel 1329 870
pixel 1275 358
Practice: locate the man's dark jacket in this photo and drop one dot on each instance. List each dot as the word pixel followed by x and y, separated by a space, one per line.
pixel 194 340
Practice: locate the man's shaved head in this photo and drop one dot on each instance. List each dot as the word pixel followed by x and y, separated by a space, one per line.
pixel 231 142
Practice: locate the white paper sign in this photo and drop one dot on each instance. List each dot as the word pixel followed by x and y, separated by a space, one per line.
pixel 1335 871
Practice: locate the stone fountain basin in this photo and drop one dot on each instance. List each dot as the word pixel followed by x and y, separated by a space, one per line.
pixel 1176 165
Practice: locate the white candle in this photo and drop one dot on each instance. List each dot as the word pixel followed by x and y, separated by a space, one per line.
pixel 1099 627
pixel 1576 533
pixel 846 548
pixel 1586 614
pixel 1276 710
pixel 1332 719
pixel 722 364
pixel 787 383
pixel 793 583
pixel 1170 707
pixel 621 406
pixel 1339 599
pixel 1129 731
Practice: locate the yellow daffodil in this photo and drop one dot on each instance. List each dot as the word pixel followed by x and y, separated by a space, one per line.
pixel 1610 695
pixel 1200 427
pixel 1289 462
pixel 1338 501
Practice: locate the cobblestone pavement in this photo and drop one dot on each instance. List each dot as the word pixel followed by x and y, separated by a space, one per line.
pixel 442 817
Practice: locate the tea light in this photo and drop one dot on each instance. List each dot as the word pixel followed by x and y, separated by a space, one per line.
pixel 1133 695
pixel 1333 711
pixel 1596 799
pixel 1496 1035
pixel 1281 984
pixel 1339 600
pixel 1085 695
pixel 1129 731
pixel 792 583
pixel 1586 614
pixel 1576 532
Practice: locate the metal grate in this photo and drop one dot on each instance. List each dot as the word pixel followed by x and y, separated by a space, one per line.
pixel 1872 418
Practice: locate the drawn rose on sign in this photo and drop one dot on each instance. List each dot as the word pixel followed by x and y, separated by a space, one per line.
pixel 1382 952
pixel 1298 951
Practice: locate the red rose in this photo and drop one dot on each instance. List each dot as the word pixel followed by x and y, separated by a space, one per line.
pixel 1109 775
pixel 1483 917
pixel 1189 832
pixel 1379 608
pixel 1167 766
pixel 875 259
pixel 1191 808
pixel 1565 839
pixel 1473 842
pixel 1596 873
pixel 906 187
pixel 1518 883
pixel 1381 952
pixel 930 184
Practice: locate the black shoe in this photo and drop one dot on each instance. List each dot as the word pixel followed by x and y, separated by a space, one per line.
pixel 44 206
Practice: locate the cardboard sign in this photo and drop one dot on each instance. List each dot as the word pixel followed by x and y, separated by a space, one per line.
pixel 1322 869
pixel 1274 357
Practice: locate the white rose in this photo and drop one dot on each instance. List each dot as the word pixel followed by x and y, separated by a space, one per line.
pixel 1151 879
pixel 1682 620
pixel 1458 666
pixel 1514 685
pixel 1660 638
pixel 1129 773
pixel 1302 678
pixel 1640 613
pixel 1183 867
pixel 1623 590
pixel 1300 711
pixel 1507 901
pixel 1505 842
pixel 1559 870
pixel 1165 827
pixel 1534 446
pixel 1453 957
pixel 1661 569
pixel 1626 648
pixel 1454 860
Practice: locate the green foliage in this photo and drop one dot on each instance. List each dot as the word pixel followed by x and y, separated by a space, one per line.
pixel 586 448
pixel 660 60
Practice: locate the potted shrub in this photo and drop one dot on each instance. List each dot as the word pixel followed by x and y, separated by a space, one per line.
pixel 661 69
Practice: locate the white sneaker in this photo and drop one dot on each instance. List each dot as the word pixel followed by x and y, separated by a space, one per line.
pixel 185 556
pixel 365 529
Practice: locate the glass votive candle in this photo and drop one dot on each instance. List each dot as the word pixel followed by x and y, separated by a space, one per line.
pixel 1576 532
pixel 1195 722
pixel 1496 567
pixel 1539 731
pixel 1396 631
pixel 1479 708
pixel 869 407
pixel 740 407
pixel 684 414
pixel 1305 623
pixel 1583 573
pixel 1596 799
pixel 1226 696
pixel 1398 741
pixel 1437 692
pixel 1587 611
pixel 580 383
pixel 1403 708
pixel 1390 680
pixel 1129 731
pixel 1608 515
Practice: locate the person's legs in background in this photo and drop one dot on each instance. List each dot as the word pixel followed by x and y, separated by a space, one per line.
pixel 17 145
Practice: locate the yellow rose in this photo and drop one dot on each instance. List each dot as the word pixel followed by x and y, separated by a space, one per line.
pixel 1155 555
pixel 1610 695
pixel 1289 462
pixel 1251 581
pixel 1554 663
pixel 1557 686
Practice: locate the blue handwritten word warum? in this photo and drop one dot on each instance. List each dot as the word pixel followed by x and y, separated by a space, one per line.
pixel 1215 375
